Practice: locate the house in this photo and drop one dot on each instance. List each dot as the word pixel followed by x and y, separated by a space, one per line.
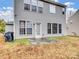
pixel 72 25
pixel 69 13
pixel 9 27
pixel 39 18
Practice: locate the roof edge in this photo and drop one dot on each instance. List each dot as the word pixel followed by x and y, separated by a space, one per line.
pixel 75 13
pixel 54 3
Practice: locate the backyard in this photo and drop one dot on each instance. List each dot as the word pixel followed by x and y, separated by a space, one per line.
pixel 67 47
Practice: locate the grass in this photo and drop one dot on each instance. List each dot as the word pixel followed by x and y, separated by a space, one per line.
pixel 59 38
pixel 62 37
pixel 67 47
pixel 65 38
pixel 71 40
pixel 18 42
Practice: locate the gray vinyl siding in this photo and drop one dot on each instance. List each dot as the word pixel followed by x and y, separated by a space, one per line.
pixel 73 27
pixel 43 18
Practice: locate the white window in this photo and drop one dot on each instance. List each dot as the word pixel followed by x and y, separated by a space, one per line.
pixel 40 9
pixel 49 28
pixel 60 28
pixel 53 28
pixel 29 27
pixel 40 4
pixel 34 2
pixel 27 6
pixel 22 27
pixel 33 5
pixel 52 8
pixel 27 1
pixel 34 8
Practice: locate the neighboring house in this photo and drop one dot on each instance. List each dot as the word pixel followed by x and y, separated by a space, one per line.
pixel 39 18
pixel 9 27
pixel 69 13
pixel 72 25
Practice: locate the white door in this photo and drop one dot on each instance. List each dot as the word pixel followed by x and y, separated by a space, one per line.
pixel 38 30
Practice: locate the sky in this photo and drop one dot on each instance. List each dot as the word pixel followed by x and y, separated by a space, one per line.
pixel 5 3
pixel 6 10
pixel 6 7
pixel 74 3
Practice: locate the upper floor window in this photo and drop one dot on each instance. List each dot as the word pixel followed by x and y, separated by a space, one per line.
pixel 26 6
pixel 52 8
pixel 40 6
pixel 40 9
pixel 34 8
pixel 33 5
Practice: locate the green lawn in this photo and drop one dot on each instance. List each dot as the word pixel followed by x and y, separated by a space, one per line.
pixel 18 42
pixel 63 38
pixel 58 38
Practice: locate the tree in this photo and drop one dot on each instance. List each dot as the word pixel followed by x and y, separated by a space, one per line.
pixel 2 26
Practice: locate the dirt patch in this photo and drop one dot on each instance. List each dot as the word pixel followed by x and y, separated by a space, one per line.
pixel 64 49
pixel 61 50
pixel 2 39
